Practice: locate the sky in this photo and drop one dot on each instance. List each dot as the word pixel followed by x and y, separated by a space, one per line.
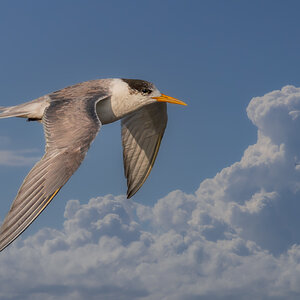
pixel 218 216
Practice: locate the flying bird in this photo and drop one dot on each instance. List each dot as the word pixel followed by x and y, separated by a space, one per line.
pixel 71 118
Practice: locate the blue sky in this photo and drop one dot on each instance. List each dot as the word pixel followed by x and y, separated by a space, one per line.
pixel 214 55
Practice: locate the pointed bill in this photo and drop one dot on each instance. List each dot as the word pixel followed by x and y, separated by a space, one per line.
pixel 165 98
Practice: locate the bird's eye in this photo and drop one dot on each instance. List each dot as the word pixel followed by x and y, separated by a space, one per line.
pixel 146 91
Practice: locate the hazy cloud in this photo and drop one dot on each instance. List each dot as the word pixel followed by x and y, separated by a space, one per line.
pixel 237 237
pixel 18 158
pixel 15 158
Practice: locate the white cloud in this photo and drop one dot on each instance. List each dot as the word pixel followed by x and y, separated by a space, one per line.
pixel 237 237
pixel 17 158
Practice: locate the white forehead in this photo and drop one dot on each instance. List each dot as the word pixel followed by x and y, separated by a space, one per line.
pixel 119 87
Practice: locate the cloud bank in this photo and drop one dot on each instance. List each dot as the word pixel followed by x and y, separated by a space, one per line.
pixel 236 237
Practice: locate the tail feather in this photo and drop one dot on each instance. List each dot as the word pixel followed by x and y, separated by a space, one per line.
pixel 31 110
pixel 12 111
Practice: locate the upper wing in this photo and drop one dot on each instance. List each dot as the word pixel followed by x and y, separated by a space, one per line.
pixel 70 127
pixel 142 132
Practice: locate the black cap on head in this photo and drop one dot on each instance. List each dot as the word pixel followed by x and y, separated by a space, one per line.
pixel 138 85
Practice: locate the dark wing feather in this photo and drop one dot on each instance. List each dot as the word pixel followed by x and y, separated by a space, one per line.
pixel 70 126
pixel 142 132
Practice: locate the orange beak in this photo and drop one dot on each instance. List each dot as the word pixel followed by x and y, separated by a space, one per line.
pixel 165 98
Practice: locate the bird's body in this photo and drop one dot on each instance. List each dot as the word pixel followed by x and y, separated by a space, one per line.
pixel 72 118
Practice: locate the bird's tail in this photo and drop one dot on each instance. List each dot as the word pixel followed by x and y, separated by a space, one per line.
pixel 32 109
pixel 12 111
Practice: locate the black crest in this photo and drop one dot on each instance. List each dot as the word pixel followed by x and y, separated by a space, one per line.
pixel 138 85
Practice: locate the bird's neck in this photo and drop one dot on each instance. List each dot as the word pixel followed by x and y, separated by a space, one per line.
pixel 119 104
pixel 113 109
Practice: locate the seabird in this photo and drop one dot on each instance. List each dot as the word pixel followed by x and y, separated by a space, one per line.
pixel 71 118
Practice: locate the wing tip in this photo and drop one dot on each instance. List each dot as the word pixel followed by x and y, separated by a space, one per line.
pixel 6 241
pixel 132 192
pixel 129 194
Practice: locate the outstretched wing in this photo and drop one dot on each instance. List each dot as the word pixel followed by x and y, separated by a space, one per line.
pixel 70 127
pixel 142 132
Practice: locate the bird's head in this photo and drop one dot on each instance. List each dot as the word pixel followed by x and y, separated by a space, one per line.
pixel 145 92
pixel 129 95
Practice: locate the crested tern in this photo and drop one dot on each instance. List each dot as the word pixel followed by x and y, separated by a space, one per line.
pixel 71 119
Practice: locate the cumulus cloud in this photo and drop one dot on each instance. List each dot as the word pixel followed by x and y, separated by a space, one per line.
pixel 236 237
